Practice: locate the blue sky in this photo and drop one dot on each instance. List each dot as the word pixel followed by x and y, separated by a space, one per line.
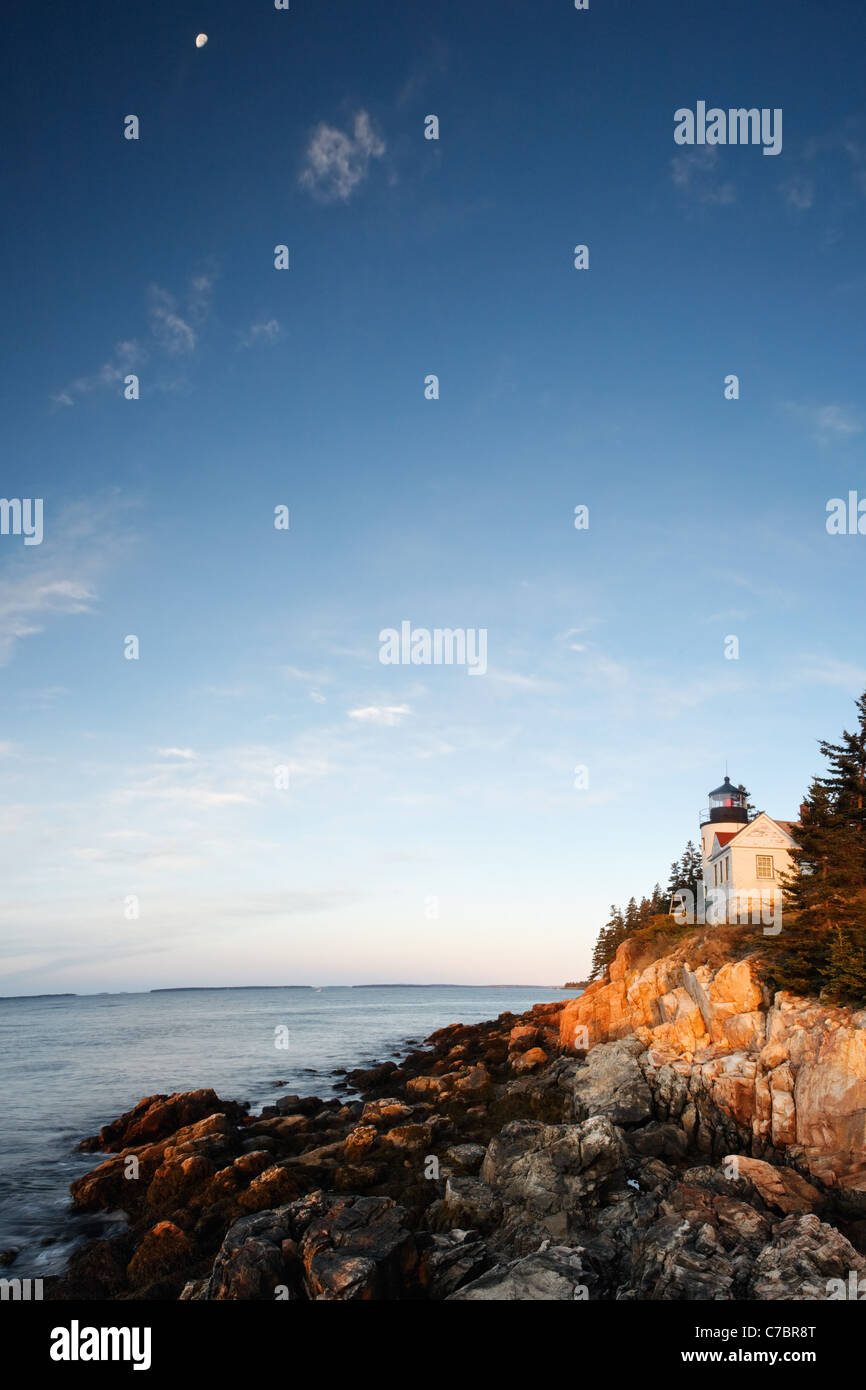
pixel 431 829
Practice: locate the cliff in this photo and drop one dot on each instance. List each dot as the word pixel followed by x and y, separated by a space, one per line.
pixel 781 1078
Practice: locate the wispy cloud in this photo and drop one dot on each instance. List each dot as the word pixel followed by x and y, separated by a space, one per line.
pixel 828 423
pixel 336 164
pixel 823 670
pixel 174 330
pixel 799 192
pixel 27 598
pixel 693 172
pixel 266 332
pixel 531 684
pixel 296 673
pixel 177 332
pixel 380 714
pixel 127 355
pixel 60 576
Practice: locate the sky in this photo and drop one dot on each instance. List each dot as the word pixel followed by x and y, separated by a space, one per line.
pixel 258 798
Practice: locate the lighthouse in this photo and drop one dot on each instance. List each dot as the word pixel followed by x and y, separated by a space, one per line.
pixel 744 859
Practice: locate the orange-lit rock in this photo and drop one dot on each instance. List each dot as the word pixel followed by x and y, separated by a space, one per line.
pixel 789 1073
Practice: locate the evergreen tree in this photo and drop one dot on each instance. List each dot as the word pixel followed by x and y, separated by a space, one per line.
pixel 822 945
pixel 609 938
pixel 673 880
pixel 690 869
pixel 846 781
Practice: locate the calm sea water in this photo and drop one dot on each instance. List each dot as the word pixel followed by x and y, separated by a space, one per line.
pixel 70 1065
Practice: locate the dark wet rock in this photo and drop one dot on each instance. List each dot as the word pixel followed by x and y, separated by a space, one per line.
pixel 470 1203
pixel 359 1249
pixel 97 1271
pixel 450 1260
pixel 680 1258
pixel 164 1249
pixel 255 1261
pixel 806 1259
pixel 298 1105
pixel 365 1079
pixel 466 1157
pixel 658 1140
pixel 257 1144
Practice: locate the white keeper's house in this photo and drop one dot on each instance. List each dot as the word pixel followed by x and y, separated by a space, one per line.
pixel 744 857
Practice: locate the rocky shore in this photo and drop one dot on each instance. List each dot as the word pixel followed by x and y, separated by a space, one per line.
pixel 672 1134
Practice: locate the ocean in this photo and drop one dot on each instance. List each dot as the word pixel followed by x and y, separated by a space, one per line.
pixel 70 1064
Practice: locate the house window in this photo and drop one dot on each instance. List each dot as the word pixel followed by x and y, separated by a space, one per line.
pixel 764 865
pixel 727 869
pixel 715 873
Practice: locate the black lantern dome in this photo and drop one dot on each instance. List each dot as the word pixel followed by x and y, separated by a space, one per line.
pixel 729 803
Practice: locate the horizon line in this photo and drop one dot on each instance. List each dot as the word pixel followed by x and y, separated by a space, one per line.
pixel 180 989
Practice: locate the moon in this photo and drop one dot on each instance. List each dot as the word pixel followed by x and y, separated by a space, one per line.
pixel 200 40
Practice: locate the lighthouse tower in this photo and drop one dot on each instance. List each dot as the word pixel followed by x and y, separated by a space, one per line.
pixel 727 815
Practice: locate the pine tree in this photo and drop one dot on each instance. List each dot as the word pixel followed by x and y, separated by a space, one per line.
pixel 847 779
pixel 822 945
pixel 691 868
pixel 609 938
pixel 673 880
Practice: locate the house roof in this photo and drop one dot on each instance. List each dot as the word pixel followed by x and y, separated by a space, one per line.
pixel 724 837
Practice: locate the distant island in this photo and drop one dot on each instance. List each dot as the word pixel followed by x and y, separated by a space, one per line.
pixel 576 984
pixel 185 989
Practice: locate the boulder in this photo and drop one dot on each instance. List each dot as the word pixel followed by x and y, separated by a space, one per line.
pixel 475 1084
pixel 466 1157
pixel 409 1137
pixel 550 1172
pixel 530 1060
pixel 360 1140
pixel 387 1112
pixel 449 1261
pixel 523 1037
pixel 806 1259
pixel 470 1203
pixel 254 1261
pixel 780 1188
pixel 424 1087
pixel 611 1083
pixel 164 1249
pixel 298 1105
pixel 359 1249
pixel 157 1117
pixel 555 1275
